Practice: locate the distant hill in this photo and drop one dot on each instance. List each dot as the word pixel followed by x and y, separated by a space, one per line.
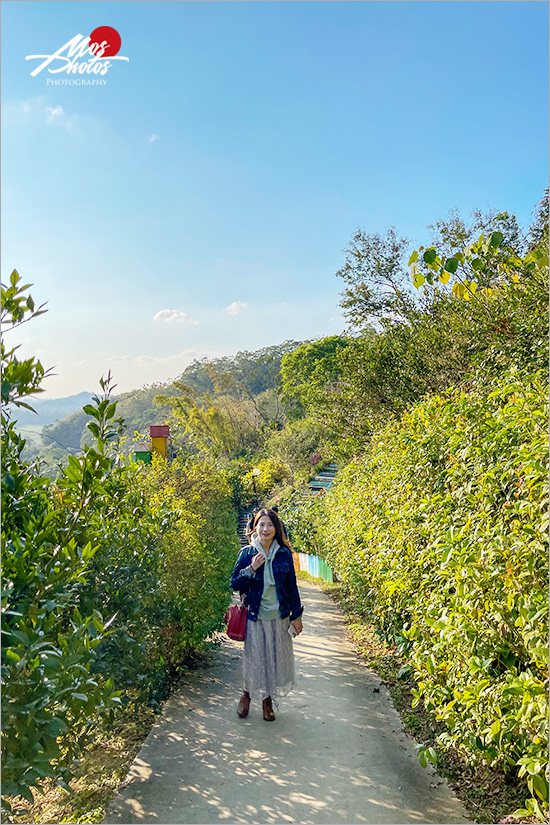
pixel 49 410
pixel 64 421
pixel 257 370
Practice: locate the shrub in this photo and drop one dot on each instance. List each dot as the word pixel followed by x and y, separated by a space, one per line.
pixel 301 445
pixel 440 533
pixel 273 472
pixel 303 515
pixel 198 549
pixel 116 571
pixel 49 695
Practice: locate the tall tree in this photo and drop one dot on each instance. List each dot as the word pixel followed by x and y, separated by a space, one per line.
pixel 538 231
pixel 454 233
pixel 377 281
pixel 307 371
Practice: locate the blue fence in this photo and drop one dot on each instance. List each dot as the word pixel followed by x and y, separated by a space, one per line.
pixel 315 566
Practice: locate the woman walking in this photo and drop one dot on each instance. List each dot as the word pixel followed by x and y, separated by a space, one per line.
pixel 264 575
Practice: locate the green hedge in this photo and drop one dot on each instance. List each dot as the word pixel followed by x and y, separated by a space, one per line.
pixel 112 574
pixel 440 533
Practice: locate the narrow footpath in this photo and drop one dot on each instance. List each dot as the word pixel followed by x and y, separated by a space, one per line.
pixel 337 752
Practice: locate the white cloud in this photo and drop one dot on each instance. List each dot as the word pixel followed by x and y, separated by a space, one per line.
pixel 235 308
pixel 21 109
pixel 133 371
pixel 170 315
pixel 38 110
pixel 53 114
pixel 186 356
pixel 153 138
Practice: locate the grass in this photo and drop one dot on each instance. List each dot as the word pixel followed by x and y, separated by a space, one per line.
pixel 488 795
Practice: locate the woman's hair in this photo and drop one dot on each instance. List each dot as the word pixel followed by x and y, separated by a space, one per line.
pixel 250 523
pixel 274 518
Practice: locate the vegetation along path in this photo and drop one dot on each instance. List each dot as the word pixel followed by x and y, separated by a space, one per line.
pixel 337 752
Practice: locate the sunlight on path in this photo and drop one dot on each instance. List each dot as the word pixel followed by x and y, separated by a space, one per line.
pixel 335 754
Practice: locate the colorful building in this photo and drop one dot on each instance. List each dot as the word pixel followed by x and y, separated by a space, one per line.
pixel 160 442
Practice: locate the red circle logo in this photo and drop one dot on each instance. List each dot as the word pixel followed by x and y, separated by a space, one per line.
pixel 107 35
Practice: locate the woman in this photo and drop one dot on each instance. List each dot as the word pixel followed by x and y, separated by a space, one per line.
pixel 264 575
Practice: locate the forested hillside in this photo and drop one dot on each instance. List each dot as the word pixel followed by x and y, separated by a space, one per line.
pixel 434 405
pixel 252 373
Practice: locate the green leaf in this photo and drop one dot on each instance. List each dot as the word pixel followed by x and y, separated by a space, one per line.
pixel 90 410
pixel 8 481
pixel 451 265
pixel 110 411
pixel 540 786
pixel 88 552
pixel 417 277
pixel 56 727
pixel 496 239
pixel 431 755
pixel 25 792
pixel 429 256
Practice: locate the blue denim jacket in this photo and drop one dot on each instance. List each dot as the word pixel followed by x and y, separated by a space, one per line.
pixel 250 583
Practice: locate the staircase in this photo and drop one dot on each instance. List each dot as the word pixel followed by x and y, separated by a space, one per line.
pixel 241 528
pixel 323 480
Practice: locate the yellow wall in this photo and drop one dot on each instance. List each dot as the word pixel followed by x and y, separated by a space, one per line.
pixel 160 445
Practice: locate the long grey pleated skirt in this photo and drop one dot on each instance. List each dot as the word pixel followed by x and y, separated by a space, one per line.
pixel 268 658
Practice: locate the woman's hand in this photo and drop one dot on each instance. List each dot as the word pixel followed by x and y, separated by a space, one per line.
pixel 257 561
pixel 297 625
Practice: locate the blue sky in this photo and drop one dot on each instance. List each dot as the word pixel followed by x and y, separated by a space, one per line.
pixel 199 202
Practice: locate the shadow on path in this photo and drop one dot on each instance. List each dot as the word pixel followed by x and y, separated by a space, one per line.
pixel 336 753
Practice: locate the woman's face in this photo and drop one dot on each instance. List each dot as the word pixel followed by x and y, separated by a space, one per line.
pixel 265 528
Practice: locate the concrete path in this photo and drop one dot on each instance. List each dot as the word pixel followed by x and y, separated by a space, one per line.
pixel 336 753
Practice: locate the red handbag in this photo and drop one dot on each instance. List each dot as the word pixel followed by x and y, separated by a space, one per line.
pixel 236 622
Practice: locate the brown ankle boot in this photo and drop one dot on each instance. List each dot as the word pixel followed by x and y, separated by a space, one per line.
pixel 244 705
pixel 267 708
